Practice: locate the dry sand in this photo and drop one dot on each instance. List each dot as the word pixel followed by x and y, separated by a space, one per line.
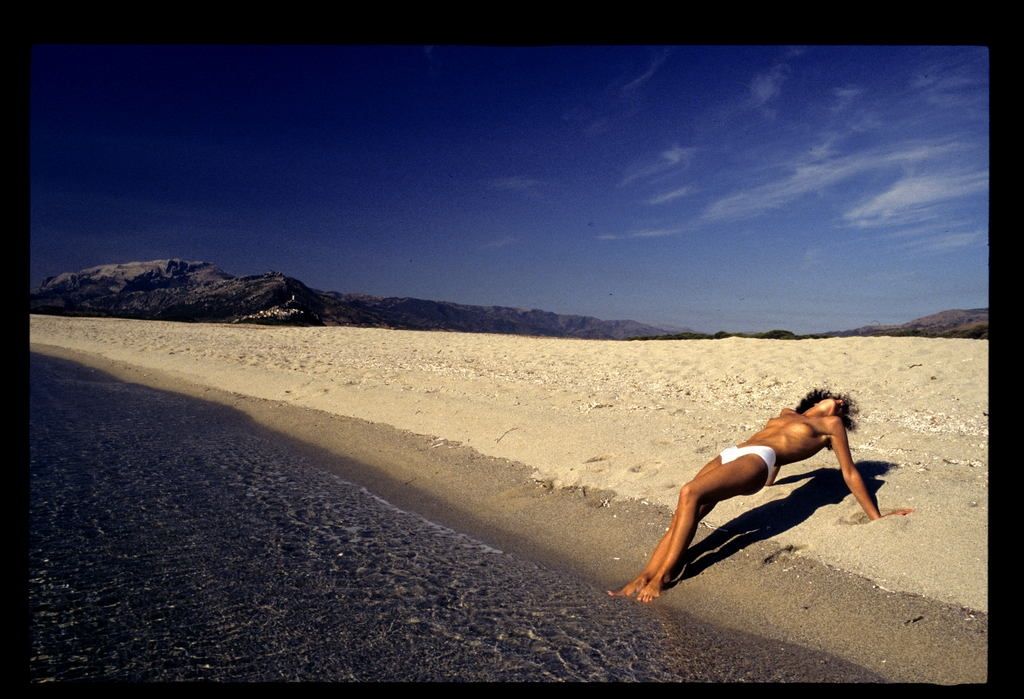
pixel 630 422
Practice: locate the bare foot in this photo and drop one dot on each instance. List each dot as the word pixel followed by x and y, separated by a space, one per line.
pixel 631 587
pixel 651 591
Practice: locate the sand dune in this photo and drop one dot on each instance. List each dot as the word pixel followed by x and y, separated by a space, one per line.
pixel 639 418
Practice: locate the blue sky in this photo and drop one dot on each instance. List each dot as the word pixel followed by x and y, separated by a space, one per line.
pixel 740 188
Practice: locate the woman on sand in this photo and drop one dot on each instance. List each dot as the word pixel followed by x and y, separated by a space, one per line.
pixel 820 421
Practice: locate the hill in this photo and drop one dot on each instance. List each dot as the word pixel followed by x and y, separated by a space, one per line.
pixel 184 290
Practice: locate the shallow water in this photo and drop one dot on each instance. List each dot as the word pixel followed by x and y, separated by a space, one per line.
pixel 172 539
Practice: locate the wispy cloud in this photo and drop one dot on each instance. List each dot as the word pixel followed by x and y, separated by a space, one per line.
pixel 656 61
pixel 915 198
pixel 598 126
pixel 825 149
pixel 808 175
pixel 500 242
pixel 954 80
pixel 668 160
pixel 619 100
pixel 926 229
pixel 670 196
pixel 845 96
pixel 766 86
pixel 642 233
pixel 939 88
pixel 811 258
pixel 433 64
pixel 943 242
pixel 516 183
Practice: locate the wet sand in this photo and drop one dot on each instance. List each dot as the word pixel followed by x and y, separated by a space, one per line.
pixel 640 419
pixel 743 577
pixel 173 539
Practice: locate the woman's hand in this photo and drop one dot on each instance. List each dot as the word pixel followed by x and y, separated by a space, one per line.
pixel 901 511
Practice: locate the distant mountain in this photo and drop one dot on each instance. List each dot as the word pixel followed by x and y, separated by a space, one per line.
pixel 175 290
pixel 952 323
pixel 200 292
pixel 96 282
pixel 436 315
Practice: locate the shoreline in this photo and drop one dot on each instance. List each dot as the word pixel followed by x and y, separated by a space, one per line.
pixel 763 588
pixel 640 419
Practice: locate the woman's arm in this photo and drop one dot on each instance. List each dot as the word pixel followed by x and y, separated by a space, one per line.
pixel 841 446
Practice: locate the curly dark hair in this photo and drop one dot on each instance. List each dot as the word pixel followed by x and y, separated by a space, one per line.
pixel 847 411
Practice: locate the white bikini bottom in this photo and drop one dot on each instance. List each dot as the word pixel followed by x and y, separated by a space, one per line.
pixel 767 455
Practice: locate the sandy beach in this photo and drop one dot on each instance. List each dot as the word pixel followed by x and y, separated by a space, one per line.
pixel 610 430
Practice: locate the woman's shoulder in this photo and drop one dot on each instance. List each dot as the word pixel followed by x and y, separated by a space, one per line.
pixel 827 424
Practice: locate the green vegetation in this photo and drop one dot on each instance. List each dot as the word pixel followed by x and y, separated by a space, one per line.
pixel 769 335
pixel 978 331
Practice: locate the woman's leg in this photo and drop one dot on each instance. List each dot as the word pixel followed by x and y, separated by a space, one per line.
pixel 744 476
pixel 661 549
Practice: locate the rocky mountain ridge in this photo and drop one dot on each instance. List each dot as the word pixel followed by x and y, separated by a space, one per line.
pixel 185 290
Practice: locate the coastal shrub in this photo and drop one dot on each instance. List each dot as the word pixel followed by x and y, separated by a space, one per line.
pixel 777 335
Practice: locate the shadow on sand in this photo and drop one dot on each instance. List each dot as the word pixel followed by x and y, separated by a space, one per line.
pixel 824 486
